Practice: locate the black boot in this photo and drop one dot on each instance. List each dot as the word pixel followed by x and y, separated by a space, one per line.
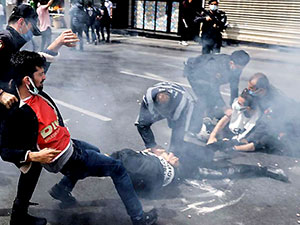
pixel 20 215
pixel 60 193
pixel 148 218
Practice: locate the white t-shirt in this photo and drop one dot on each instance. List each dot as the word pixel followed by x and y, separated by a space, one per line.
pixel 240 125
pixel 108 4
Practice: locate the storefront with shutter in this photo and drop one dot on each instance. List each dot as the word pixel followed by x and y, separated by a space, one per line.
pixel 263 21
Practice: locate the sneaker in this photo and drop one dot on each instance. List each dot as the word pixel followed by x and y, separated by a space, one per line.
pixel 147 219
pixel 184 43
pixel 209 123
pixel 95 42
pixel 59 193
pixel 25 218
pixel 277 174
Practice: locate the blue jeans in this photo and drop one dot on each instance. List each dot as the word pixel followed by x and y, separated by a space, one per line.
pixel 87 161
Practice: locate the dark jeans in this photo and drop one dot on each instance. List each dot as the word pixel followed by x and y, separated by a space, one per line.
pixel 46 38
pixel 210 45
pixel 78 30
pixel 86 30
pixel 107 28
pixel 87 161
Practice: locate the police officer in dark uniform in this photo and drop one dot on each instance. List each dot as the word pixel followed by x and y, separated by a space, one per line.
pixel 214 22
pixel 206 73
pixel 165 101
pixel 22 25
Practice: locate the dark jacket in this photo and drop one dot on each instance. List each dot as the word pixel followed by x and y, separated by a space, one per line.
pixel 151 111
pixel 92 13
pixel 104 19
pixel 20 132
pixel 10 43
pixel 145 171
pixel 78 16
pixel 212 29
pixel 213 71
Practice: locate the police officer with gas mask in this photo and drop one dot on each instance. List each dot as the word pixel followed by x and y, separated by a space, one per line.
pixel 213 24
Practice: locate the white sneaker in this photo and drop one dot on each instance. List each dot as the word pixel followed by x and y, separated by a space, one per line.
pixel 204 134
pixel 184 43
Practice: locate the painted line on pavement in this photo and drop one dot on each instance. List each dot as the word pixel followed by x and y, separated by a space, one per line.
pixel 84 111
pixel 151 76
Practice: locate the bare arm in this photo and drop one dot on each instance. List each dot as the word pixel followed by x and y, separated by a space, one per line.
pixel 45 156
pixel 67 38
pixel 220 126
pixel 49 4
pixel 249 147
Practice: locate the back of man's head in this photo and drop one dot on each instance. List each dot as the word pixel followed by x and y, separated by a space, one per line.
pixel 240 57
pixel 25 63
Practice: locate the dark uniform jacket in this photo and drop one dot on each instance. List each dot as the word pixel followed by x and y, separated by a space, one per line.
pixel 10 43
pixel 213 71
pixel 212 29
pixel 152 112
pixel 145 169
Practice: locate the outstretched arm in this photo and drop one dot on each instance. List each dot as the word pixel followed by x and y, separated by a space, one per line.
pixel 67 38
pixel 219 127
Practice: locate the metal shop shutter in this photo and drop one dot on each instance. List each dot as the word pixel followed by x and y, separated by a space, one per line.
pixel 263 21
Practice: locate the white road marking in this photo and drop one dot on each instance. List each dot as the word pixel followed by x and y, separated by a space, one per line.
pixel 173 66
pixel 219 198
pixel 151 76
pixel 83 111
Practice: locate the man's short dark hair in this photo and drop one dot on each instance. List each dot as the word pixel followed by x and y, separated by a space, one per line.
pixel 24 63
pixel 240 57
pixel 262 81
pixel 28 13
pixel 210 1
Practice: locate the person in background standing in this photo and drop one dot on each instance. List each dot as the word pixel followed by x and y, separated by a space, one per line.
pixel 45 23
pixel 109 6
pixel 187 22
pixel 78 18
pixel 91 12
pixel 214 23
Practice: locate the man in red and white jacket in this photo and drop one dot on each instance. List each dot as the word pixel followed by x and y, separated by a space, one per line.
pixel 35 136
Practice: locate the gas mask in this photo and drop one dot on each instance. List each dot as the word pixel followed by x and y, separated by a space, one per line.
pixel 32 88
pixel 213 7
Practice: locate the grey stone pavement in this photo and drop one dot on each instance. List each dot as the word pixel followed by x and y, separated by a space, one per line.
pixel 97 79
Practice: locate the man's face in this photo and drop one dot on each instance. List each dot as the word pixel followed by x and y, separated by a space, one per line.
pixel 25 27
pixel 168 156
pixel 39 77
pixel 235 67
pixel 259 92
pixel 171 158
